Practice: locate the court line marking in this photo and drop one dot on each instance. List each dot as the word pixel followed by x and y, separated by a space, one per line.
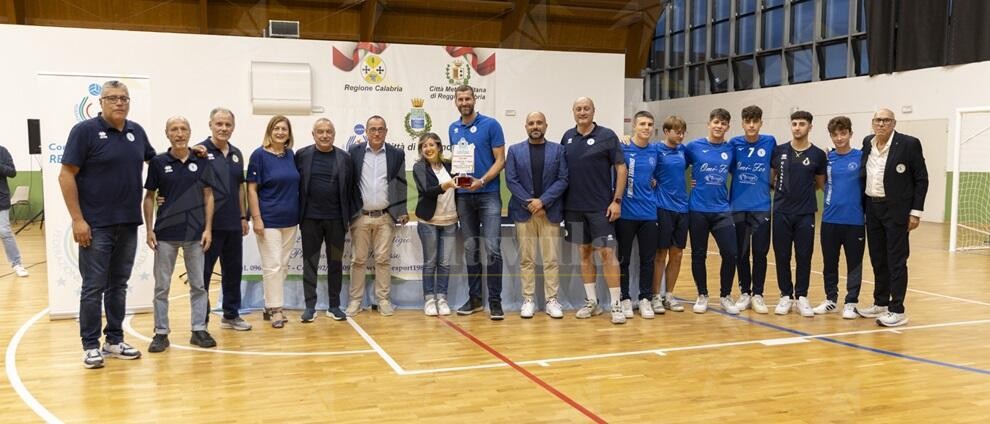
pixel 130 330
pixel 664 351
pixel 15 378
pixel 546 386
pixel 374 345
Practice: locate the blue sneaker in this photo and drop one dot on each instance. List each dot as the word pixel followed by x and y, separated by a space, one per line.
pixel 308 315
pixel 336 314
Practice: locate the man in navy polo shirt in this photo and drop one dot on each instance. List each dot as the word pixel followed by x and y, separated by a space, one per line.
pixel 751 206
pixel 101 184
pixel 479 206
pixel 230 222
pixel 184 222
pixel 591 204
pixel 798 169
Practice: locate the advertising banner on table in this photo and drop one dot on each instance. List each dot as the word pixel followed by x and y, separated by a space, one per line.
pixel 69 99
pixel 411 86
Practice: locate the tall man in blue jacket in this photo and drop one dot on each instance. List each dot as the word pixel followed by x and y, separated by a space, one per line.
pixel 536 175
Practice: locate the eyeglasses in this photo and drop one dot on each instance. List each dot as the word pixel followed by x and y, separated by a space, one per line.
pixel 883 121
pixel 377 130
pixel 116 99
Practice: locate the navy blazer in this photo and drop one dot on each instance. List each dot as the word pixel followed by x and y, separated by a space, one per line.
pixel 428 186
pixel 905 177
pixel 519 179
pixel 395 160
pixel 345 177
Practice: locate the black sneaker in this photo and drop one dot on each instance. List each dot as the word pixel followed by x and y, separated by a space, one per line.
pixel 308 315
pixel 159 343
pixel 202 339
pixel 336 314
pixel 471 306
pixel 495 311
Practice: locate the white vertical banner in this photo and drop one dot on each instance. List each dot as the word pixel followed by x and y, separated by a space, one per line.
pixel 69 99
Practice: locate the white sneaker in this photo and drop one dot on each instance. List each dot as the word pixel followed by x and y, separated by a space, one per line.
pixel 442 307
pixel 744 301
pixel 759 305
pixel 873 311
pixel 804 307
pixel 849 311
pixel 92 358
pixel 618 313
pixel 892 319
pixel 784 306
pixel 645 309
pixel 657 305
pixel 589 309
pixel 528 308
pixel 430 309
pixel 671 303
pixel 701 304
pixel 627 308
pixel 728 305
pixel 21 272
pixel 826 307
pixel 553 309
pixel 353 308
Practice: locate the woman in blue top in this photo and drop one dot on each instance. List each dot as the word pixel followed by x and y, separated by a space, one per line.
pixel 638 219
pixel 273 196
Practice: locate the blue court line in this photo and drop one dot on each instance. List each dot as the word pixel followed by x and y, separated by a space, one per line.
pixel 854 345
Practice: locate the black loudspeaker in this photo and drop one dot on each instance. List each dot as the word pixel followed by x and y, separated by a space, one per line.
pixel 34 136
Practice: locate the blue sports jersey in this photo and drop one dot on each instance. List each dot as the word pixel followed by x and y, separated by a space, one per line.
pixel 671 182
pixel 751 173
pixel 639 202
pixel 710 164
pixel 843 189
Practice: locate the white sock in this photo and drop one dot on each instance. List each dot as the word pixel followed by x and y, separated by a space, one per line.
pixel 589 290
pixel 615 293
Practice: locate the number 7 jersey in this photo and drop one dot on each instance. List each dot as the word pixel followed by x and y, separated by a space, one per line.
pixel 751 173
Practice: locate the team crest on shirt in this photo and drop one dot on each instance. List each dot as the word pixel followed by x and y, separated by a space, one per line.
pixel 456 130
pixel 168 169
pixel 103 135
pixel 130 136
pixel 806 162
pixel 901 168
pixel 725 156
pixel 568 140
pixel 591 141
pixel 853 165
pixel 193 167
pixel 761 153
pixel 236 159
pixel 653 161
pixel 474 130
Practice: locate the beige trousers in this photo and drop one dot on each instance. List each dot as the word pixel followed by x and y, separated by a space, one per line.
pixel 274 247
pixel 371 236
pixel 539 232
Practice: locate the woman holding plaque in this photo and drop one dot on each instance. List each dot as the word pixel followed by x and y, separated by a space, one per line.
pixel 273 196
pixel 437 227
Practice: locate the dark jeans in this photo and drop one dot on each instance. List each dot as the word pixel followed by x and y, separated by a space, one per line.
pixel 227 246
pixel 438 253
pixel 850 239
pixel 752 235
pixel 718 224
pixel 314 234
pixel 480 216
pixel 887 236
pixel 105 267
pixel 645 233
pixel 797 232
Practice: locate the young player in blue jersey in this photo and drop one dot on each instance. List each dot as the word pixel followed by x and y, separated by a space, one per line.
pixel 750 194
pixel 709 213
pixel 798 171
pixel 672 213
pixel 638 220
pixel 843 220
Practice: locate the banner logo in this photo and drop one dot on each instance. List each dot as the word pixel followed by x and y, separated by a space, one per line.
pixel 373 69
pixel 417 121
pixel 82 109
pixel 458 73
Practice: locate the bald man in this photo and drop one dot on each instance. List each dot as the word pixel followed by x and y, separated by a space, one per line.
pixel 184 221
pixel 536 175
pixel 592 204
pixel 896 180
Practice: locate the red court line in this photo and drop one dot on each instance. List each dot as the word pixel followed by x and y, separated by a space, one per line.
pixel 524 372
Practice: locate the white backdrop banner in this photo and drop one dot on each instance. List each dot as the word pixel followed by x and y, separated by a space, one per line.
pixel 72 98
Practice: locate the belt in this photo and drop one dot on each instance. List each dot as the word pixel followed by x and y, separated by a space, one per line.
pixel 374 214
pixel 878 199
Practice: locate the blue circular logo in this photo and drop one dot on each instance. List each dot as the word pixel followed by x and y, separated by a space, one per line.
pixel 359 129
pixel 95 89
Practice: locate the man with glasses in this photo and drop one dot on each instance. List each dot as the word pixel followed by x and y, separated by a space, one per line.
pixel 896 181
pixel 101 184
pixel 380 202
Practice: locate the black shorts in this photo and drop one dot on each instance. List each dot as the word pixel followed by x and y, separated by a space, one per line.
pixel 672 229
pixel 588 228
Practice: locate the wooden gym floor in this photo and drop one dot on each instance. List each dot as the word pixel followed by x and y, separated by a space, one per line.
pixel 679 367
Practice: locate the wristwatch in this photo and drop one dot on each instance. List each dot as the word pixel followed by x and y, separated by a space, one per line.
pixel 617 200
